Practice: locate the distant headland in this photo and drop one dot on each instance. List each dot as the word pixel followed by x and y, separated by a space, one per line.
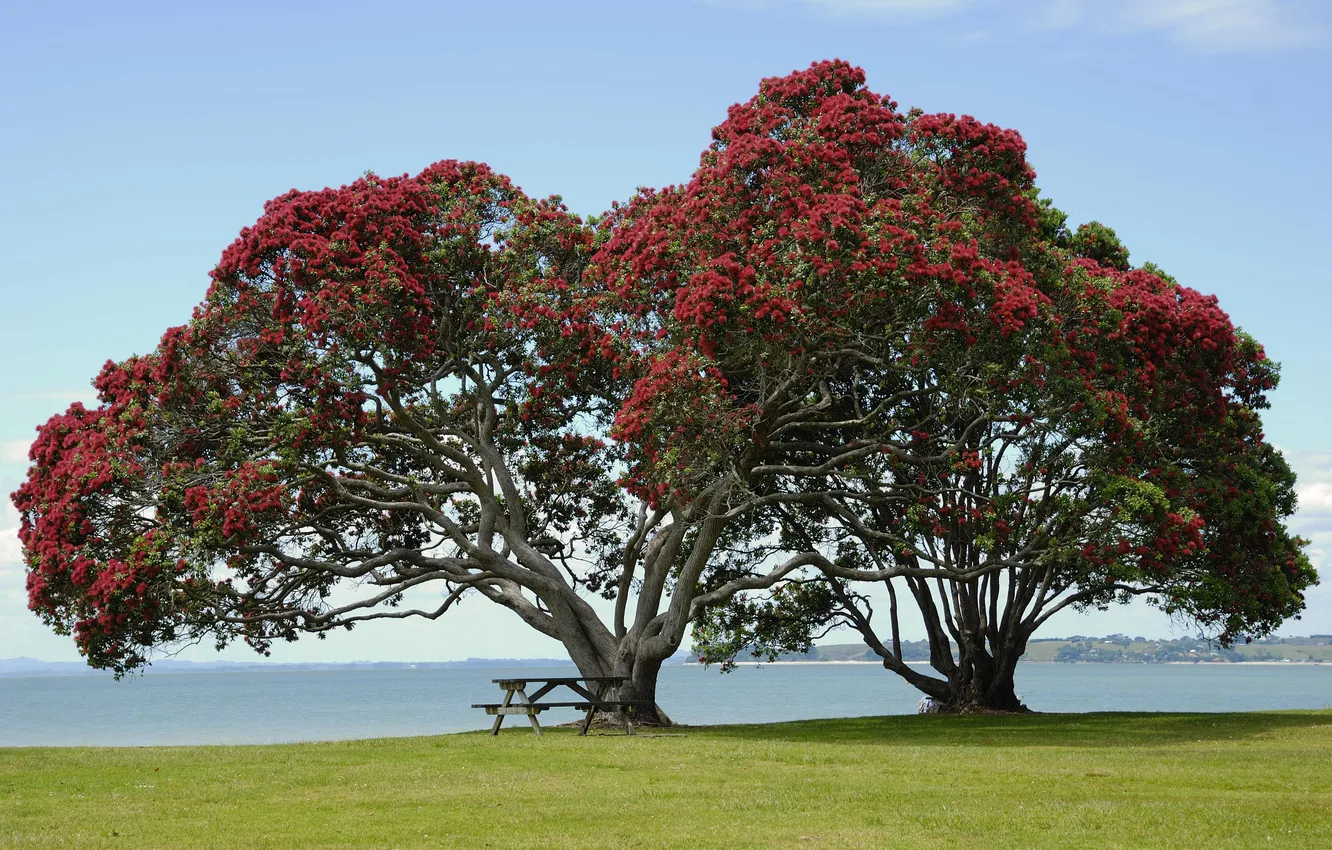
pixel 1111 649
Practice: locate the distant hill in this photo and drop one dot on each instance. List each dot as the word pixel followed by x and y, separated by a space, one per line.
pixel 32 666
pixel 23 666
pixel 1113 649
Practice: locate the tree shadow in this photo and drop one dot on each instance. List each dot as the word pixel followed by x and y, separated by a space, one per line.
pixel 1102 729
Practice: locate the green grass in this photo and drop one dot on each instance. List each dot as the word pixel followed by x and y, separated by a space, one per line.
pixel 1046 781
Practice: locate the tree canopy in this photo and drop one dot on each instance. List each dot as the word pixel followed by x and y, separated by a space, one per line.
pixel 1038 424
pixel 855 347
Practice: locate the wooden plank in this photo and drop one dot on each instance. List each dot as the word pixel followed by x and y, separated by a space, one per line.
pixel 627 715
pixel 604 705
pixel 579 706
pixel 532 711
pixel 581 691
pixel 499 715
pixel 587 721
pixel 515 683
pixel 543 690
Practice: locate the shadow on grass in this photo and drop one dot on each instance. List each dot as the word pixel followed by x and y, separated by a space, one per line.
pixel 1107 729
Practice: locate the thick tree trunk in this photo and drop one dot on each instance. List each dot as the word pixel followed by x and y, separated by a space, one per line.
pixel 980 688
pixel 641 688
pixel 635 653
pixel 975 660
pixel 626 660
pixel 642 685
pixel 983 682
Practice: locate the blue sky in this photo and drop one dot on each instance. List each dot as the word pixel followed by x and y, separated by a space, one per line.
pixel 139 138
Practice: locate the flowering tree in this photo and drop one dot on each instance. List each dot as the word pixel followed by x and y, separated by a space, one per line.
pixel 852 348
pixel 995 416
pixel 396 385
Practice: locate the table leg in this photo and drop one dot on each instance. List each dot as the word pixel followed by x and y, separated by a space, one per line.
pixel 628 720
pixel 587 721
pixel 536 724
pixel 499 718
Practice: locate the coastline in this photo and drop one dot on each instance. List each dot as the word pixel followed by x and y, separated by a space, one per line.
pixel 1107 663
pixel 1243 663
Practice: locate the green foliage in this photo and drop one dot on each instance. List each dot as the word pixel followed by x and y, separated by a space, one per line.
pixel 1052 221
pixel 783 622
pixel 1095 241
pixel 1153 268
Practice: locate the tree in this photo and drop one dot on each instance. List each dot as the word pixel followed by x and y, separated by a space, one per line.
pixel 396 385
pixel 854 347
pixel 1009 421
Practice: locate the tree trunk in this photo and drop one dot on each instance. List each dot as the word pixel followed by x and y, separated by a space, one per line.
pixel 978 680
pixel 982 682
pixel 980 690
pixel 626 660
pixel 642 685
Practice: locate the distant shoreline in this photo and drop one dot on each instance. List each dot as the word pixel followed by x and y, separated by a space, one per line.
pixel 33 667
pixel 1087 663
pixel 1223 663
pixel 793 663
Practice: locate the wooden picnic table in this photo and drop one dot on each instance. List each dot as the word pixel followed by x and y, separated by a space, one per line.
pixel 581 685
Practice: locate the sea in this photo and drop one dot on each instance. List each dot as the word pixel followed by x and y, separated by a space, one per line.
pixel 278 706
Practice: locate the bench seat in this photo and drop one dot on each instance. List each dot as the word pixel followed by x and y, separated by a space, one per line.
pixel 609 703
pixel 515 708
pixel 582 704
pixel 538 707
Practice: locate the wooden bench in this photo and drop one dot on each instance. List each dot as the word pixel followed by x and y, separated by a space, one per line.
pixel 528 705
pixel 526 708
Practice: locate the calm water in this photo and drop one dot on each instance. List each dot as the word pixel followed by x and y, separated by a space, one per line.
pixel 259 707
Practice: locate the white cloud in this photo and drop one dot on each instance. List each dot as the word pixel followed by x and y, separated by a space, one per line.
pixel 1315 497
pixel 86 395
pixel 916 8
pixel 882 10
pixel 14 451
pixel 1313 521
pixel 1057 14
pixel 11 551
pixel 1226 25
pixel 1208 26
pixel 1310 466
pixel 1313 471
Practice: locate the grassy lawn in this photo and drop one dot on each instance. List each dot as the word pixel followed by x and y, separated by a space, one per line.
pixel 1094 780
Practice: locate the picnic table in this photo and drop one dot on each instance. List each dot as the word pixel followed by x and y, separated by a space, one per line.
pixel 529 705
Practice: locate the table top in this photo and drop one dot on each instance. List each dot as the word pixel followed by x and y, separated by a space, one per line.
pixel 563 681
